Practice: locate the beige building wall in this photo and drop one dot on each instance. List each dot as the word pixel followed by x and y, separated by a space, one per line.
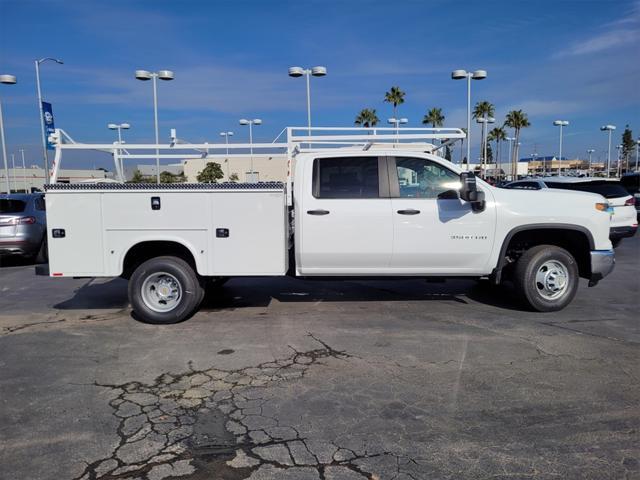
pixel 269 168
pixel 34 178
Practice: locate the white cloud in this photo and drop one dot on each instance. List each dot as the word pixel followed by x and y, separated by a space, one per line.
pixel 622 32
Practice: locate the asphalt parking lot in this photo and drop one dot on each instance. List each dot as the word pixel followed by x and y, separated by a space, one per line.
pixel 290 379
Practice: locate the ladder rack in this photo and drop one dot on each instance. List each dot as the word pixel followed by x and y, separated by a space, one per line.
pixel 316 139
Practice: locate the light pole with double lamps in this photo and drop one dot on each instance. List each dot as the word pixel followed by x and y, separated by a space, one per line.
pixel 226 136
pixel 318 71
pixel 477 75
pixel 119 127
pixel 145 75
pixel 251 123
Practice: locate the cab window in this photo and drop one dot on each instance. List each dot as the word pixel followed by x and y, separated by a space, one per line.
pixel 422 178
pixel 346 177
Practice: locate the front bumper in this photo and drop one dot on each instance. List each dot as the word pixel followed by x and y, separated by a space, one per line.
pixel 622 232
pixel 602 263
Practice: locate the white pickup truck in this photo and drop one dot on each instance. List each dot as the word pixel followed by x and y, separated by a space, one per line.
pixel 373 208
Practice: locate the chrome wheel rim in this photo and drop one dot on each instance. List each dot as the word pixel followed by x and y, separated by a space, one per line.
pixel 161 292
pixel 552 280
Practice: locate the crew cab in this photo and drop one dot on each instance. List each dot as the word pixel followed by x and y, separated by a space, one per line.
pixel 372 209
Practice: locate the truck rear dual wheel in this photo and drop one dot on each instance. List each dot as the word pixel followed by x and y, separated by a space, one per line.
pixel 546 278
pixel 165 290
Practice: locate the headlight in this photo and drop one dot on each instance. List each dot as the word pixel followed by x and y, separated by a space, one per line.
pixel 604 207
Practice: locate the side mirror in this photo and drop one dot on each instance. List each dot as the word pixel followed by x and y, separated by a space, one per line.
pixel 469 191
pixel 469 188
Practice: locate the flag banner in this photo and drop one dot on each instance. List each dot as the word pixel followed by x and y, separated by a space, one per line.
pixel 49 127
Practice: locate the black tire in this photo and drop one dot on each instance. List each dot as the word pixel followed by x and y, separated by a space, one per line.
pixel 615 242
pixel 182 275
pixel 43 252
pixel 540 295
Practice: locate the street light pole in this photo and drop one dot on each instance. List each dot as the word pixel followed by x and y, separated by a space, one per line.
pixel 40 109
pixel 251 123
pixel 318 71
pixel 608 128
pixel 6 80
pixel 226 136
pixel 485 121
pixel 510 140
pixel 619 170
pixel 119 127
pixel 560 123
pixel 162 75
pixel 24 172
pixel 397 122
pixel 477 75
pixel 13 166
pixel 590 152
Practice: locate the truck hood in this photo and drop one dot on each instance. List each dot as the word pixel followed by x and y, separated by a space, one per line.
pixel 554 206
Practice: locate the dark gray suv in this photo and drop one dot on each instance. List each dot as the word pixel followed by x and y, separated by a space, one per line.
pixel 23 226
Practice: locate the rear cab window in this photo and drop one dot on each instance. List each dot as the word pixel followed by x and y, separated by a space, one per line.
pixel 347 177
pixel 10 205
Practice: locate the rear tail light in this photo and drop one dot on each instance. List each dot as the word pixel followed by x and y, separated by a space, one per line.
pixel 22 221
pixel 631 202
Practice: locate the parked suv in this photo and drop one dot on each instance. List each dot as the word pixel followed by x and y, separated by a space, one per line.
pixel 624 221
pixel 23 226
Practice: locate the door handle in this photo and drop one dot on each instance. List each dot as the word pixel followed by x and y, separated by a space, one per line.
pixel 409 211
pixel 318 212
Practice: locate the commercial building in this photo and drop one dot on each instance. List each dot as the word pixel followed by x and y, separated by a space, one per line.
pixel 33 178
pixel 550 164
pixel 266 167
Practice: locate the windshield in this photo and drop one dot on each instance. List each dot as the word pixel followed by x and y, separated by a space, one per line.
pixel 604 188
pixel 11 206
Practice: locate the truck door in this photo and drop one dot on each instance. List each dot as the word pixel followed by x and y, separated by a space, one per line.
pixel 434 230
pixel 345 215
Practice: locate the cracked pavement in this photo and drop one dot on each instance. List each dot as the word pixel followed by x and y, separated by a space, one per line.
pixel 290 379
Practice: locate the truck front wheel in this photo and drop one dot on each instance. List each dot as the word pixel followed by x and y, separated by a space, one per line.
pixel 164 290
pixel 546 278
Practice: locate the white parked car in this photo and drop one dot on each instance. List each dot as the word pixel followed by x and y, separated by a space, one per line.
pixel 624 221
pixel 343 212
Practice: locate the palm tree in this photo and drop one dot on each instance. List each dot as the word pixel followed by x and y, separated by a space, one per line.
pixel 517 120
pixel 435 117
pixel 394 96
pixel 367 118
pixel 498 134
pixel 483 109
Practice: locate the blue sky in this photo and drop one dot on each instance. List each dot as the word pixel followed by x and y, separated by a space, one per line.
pixel 574 60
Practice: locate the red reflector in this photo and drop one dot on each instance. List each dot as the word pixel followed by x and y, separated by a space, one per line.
pixel 56 274
pixel 630 202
